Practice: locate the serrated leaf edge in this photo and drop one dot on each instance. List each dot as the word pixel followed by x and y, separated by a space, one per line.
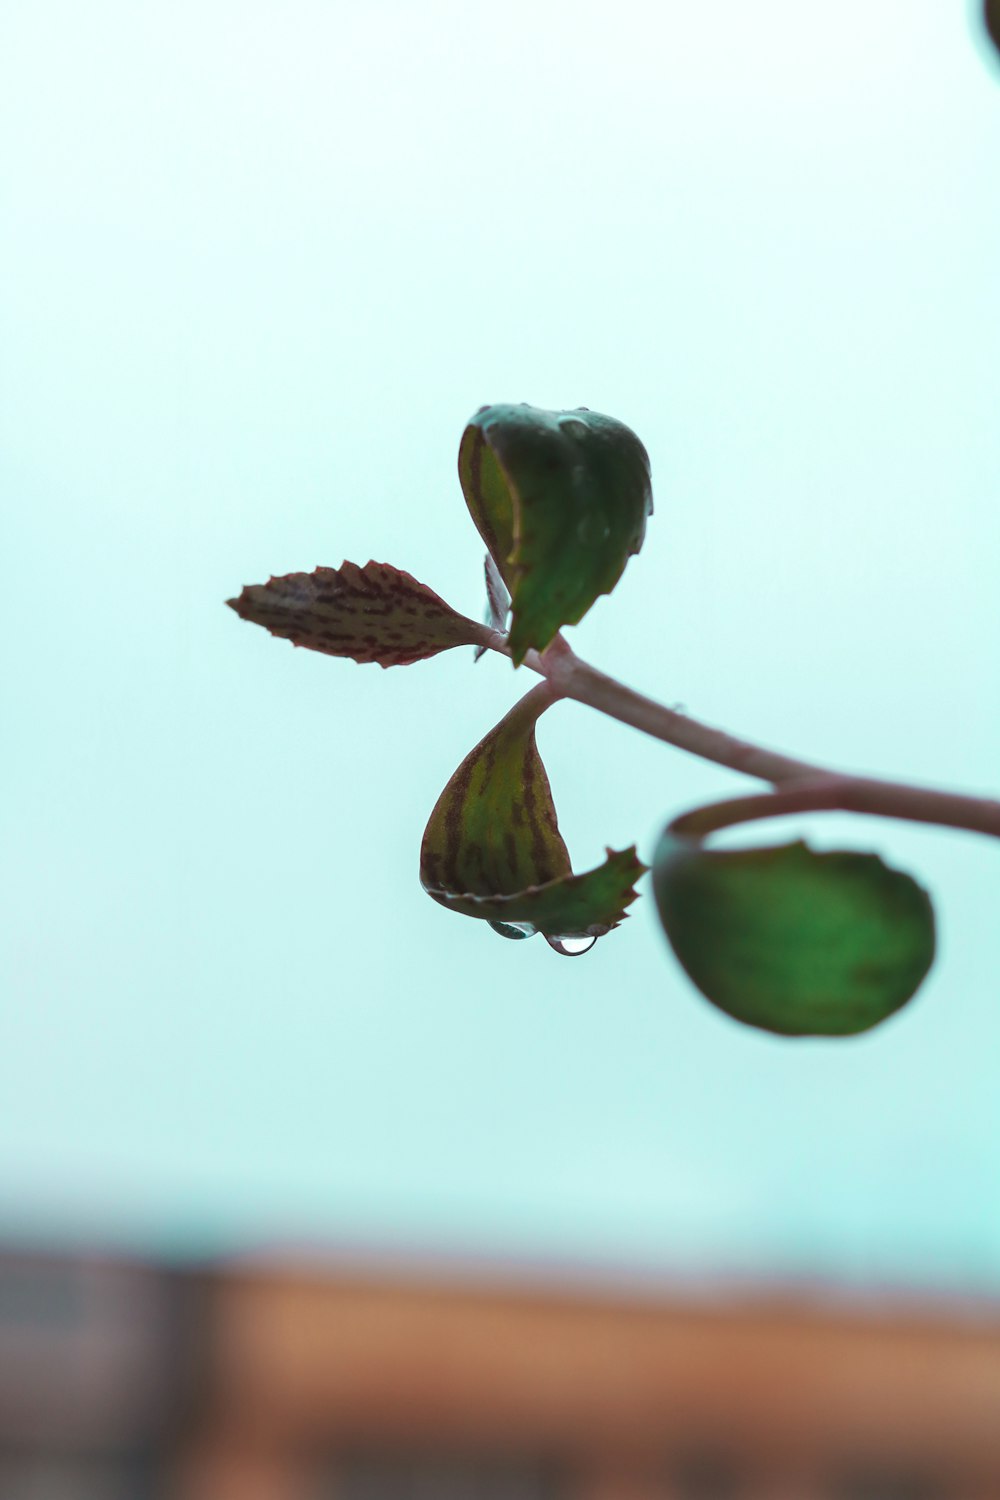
pixel 499 907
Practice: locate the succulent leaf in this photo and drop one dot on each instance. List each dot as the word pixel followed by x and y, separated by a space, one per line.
pixel 561 501
pixel 791 940
pixel 376 613
pixel 492 846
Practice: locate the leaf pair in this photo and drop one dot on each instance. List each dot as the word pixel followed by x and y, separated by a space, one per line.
pixel 561 501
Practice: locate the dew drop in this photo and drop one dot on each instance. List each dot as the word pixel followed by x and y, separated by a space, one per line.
pixel 572 945
pixel 515 930
pixel 573 427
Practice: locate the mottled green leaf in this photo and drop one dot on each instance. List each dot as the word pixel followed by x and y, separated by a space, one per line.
pixel 492 847
pixel 575 904
pixel 795 941
pixel 561 500
pixel 375 613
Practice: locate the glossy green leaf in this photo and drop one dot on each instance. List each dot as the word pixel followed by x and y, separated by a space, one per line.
pixel 375 613
pixel 795 941
pixel 492 847
pixel 561 501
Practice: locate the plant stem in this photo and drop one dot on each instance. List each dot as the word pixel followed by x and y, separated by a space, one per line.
pixel 857 794
pixel 801 786
pixel 577 679
pixel 588 685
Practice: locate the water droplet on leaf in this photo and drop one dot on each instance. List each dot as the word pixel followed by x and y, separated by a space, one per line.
pixel 516 930
pixel 572 945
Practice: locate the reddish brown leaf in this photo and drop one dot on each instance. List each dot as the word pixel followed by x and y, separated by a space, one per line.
pixel 375 613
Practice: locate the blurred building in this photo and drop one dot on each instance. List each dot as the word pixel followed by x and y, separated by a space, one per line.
pixel 127 1382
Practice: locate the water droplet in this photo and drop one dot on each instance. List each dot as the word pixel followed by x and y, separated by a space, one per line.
pixel 573 427
pixel 572 945
pixel 516 930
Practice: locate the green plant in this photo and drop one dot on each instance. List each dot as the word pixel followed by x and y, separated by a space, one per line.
pixel 783 938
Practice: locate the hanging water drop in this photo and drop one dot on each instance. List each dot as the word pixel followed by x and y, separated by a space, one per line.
pixel 515 930
pixel 572 945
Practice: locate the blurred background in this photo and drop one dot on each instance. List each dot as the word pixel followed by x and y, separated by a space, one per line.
pixel 307 1186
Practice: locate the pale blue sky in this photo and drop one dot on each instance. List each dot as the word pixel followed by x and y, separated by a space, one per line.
pixel 261 262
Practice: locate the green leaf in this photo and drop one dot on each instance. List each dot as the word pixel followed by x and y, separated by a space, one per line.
pixel 561 500
pixel 574 905
pixel 991 18
pixel 791 940
pixel 492 846
pixel 375 613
